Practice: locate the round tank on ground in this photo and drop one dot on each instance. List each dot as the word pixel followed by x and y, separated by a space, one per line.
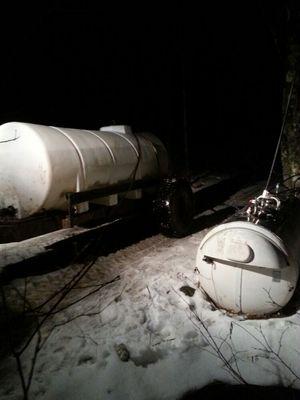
pixel 246 268
pixel 40 164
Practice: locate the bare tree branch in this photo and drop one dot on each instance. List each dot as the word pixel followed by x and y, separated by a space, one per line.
pixel 267 347
pixel 213 344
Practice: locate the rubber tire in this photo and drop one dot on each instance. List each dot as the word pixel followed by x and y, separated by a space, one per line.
pixel 174 207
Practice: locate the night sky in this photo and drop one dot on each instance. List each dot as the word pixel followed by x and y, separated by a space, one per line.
pixel 207 79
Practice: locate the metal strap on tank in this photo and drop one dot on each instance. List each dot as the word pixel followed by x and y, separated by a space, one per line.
pixel 81 160
pixel 125 138
pixel 104 142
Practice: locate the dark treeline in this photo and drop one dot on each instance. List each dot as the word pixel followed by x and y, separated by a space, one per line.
pixel 207 80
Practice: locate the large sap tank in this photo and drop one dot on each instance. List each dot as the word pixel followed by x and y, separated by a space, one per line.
pixel 250 265
pixel 40 164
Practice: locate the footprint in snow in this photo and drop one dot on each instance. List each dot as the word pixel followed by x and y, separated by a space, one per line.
pixel 187 290
pixel 86 359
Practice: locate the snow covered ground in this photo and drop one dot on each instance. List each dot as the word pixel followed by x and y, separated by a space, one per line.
pixel 15 252
pixel 148 334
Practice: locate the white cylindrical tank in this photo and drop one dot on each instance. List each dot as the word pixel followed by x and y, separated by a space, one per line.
pixel 246 268
pixel 40 164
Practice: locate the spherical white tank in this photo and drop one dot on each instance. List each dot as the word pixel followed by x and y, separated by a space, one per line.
pixel 40 164
pixel 246 268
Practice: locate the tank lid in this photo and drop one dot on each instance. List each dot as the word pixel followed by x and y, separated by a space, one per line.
pixel 238 251
pixel 125 129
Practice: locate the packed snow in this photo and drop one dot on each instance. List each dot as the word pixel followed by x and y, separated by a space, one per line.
pixel 143 330
pixel 15 252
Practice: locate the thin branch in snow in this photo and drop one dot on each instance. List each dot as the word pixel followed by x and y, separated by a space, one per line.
pixel 25 294
pixel 281 339
pixel 77 316
pixel 99 287
pixel 150 296
pixel 198 286
pixel 84 335
pixel 23 297
pixel 11 345
pixel 119 296
pixel 34 358
pixel 277 355
pixel 272 301
pixel 56 304
pixel 25 382
pixel 72 283
pixel 54 301
pixel 206 334
pixel 267 347
pixel 230 345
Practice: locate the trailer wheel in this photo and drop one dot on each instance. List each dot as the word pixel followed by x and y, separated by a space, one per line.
pixel 174 207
